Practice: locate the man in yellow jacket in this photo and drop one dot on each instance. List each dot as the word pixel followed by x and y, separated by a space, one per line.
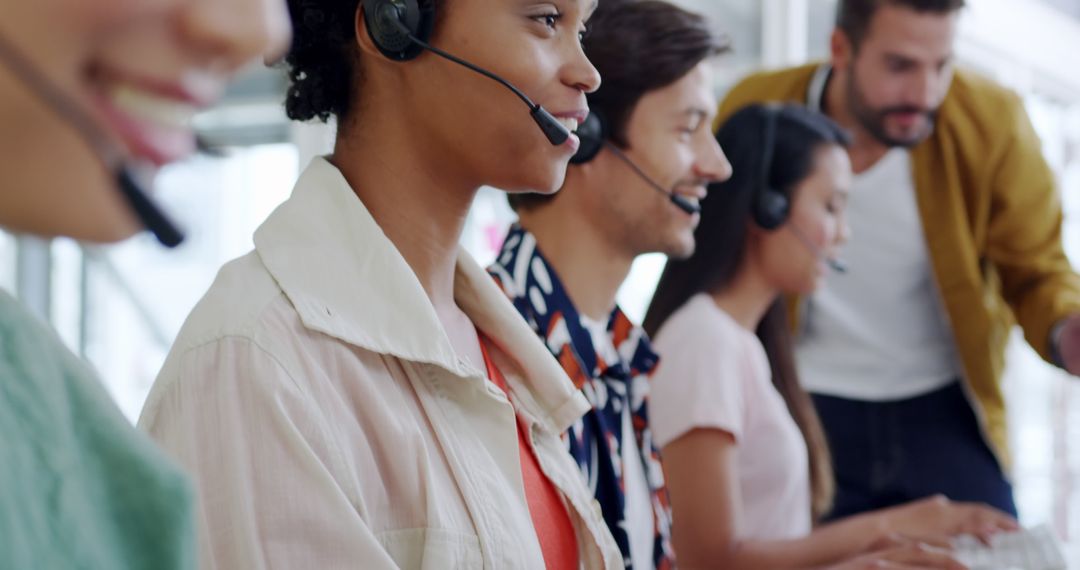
pixel 956 236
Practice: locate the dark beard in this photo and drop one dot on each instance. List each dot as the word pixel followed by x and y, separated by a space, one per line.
pixel 873 120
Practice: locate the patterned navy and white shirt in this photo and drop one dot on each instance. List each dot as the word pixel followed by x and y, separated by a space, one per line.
pixel 596 440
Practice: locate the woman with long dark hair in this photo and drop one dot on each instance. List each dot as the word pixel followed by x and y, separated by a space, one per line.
pixel 746 458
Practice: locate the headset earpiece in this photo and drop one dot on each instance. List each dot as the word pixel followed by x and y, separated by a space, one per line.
pixel 401 29
pixel 771 207
pixel 380 17
pixel 592 133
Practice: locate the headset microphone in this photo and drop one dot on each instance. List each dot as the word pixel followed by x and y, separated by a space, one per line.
pixel 771 208
pixel 836 265
pixel 399 29
pixel 137 198
pixel 593 133
pixel 833 263
pixel 152 217
pixel 680 201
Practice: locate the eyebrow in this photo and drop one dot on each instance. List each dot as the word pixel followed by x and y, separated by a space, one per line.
pixel 908 60
pixel 898 56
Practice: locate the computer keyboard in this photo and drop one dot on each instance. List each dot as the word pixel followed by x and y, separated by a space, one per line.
pixel 1035 548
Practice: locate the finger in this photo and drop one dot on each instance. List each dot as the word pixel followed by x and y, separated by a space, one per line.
pixel 925 556
pixel 991 516
pixel 939 541
pixel 986 534
pixel 983 522
pixel 899 566
pixel 890 540
pixel 1004 522
pixel 988 521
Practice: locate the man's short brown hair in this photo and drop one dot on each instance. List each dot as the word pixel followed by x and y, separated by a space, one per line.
pixel 638 46
pixel 853 16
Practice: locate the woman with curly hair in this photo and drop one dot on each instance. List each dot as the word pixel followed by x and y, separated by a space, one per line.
pixel 356 392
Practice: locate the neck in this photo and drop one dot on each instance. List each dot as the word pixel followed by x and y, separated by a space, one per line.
pixel 419 207
pixel 747 298
pixel 865 149
pixel 589 266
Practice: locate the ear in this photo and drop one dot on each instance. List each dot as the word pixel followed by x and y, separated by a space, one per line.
pixel 360 34
pixel 841 49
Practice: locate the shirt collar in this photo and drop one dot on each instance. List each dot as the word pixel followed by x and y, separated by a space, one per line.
pixel 815 92
pixel 346 279
pixel 537 293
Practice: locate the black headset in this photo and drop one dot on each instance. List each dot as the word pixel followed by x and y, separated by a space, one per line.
pixel 401 30
pixel 771 206
pixel 381 18
pixel 592 133
pixel 593 136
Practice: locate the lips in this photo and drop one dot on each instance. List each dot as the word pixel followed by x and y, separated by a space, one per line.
pixel 151 118
pixel 907 118
pixel 571 125
pixel 571 120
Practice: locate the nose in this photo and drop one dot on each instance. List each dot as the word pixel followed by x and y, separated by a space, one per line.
pixel 844 232
pixel 231 33
pixel 923 91
pixel 579 72
pixel 711 163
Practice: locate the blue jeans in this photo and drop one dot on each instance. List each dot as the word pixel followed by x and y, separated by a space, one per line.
pixel 887 453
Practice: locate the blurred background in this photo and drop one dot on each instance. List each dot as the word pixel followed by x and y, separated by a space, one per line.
pixel 120 307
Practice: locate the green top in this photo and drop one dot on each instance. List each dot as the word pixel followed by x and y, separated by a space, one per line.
pixel 79 486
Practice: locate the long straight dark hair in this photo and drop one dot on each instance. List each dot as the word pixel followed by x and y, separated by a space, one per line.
pixel 727 214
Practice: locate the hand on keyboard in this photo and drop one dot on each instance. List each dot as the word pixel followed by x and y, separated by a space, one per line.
pixel 1036 548
pixel 910 556
pixel 938 516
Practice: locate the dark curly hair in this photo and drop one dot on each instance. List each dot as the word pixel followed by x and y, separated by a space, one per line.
pixel 322 59
pixel 323 63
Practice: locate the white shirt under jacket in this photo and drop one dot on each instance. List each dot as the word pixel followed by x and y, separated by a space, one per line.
pixel 328 423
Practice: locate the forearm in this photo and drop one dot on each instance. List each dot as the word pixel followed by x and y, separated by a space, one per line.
pixel 824 546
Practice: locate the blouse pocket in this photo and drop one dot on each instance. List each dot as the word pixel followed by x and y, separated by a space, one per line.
pixel 432 549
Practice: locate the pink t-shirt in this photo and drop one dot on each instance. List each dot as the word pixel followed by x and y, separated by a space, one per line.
pixel 714 374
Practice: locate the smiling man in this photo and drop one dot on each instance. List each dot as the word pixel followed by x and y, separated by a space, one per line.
pixel 956 235
pixel 564 262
